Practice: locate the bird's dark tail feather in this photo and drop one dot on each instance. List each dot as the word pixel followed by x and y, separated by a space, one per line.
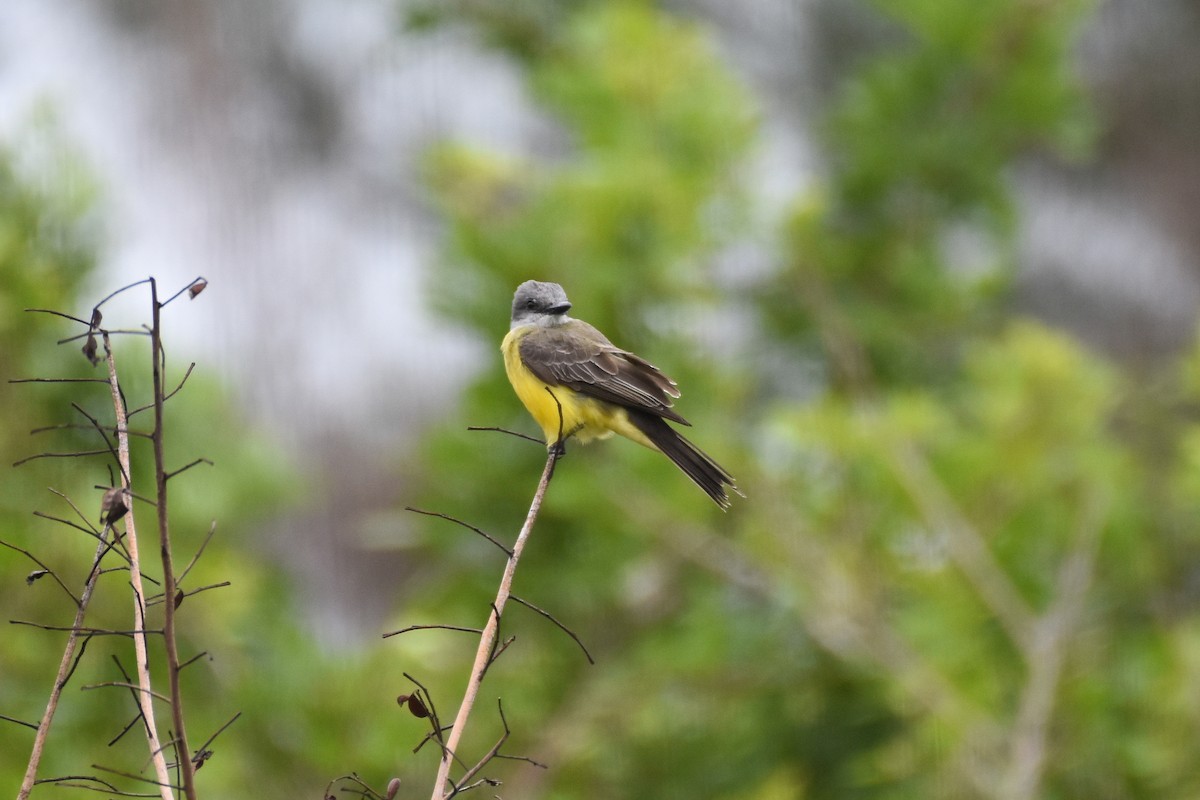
pixel 695 463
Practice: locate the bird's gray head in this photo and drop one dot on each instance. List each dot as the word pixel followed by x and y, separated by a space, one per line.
pixel 538 303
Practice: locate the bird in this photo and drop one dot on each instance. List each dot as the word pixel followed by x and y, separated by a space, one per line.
pixel 576 383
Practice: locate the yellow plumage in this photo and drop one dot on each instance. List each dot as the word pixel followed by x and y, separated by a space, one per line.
pixel 586 418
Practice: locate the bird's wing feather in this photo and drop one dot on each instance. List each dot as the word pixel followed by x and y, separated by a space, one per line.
pixel 581 358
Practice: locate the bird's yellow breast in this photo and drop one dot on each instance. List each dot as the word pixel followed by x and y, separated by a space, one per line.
pixel 584 417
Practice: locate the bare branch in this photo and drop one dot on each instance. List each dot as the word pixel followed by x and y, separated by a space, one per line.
pixel 483 655
pixel 196 286
pixel 126 685
pixel 462 783
pixel 99 429
pixel 164 786
pixel 78 657
pixel 78 454
pixel 186 767
pixel 135 572
pixel 75 426
pixel 65 669
pixel 193 659
pixel 158 598
pixel 476 631
pixel 7 718
pixel 466 525
pixel 207 538
pixel 52 312
pixel 105 786
pixel 108 332
pixel 186 374
pixel 42 564
pixel 219 731
pixel 58 380
pixel 140 716
pixel 80 629
pixel 533 439
pixel 170 394
pixel 186 467
pixel 125 288
pixel 363 788
pixel 562 627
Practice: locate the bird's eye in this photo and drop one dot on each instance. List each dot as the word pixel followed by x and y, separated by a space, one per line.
pixel 531 304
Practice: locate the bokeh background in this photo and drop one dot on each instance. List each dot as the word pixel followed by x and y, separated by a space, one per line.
pixel 927 273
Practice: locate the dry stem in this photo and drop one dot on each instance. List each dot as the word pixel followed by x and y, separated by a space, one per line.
pixel 144 697
pixel 483 656
pixel 183 753
pixel 64 669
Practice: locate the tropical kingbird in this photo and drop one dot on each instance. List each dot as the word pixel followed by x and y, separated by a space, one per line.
pixel 575 382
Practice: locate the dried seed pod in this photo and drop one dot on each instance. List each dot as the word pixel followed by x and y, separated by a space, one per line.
pixel 417 708
pixel 89 349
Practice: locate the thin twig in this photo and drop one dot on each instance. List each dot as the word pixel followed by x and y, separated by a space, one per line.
pixel 42 564
pixel 186 374
pixel 65 668
pixel 58 380
pixel 80 629
pixel 487 640
pixel 475 631
pixel 219 731
pixel 113 294
pixel 134 696
pixel 29 725
pixel 78 656
pixel 186 767
pixel 558 624
pixel 462 783
pixel 125 685
pixel 76 426
pixel 76 454
pixel 99 429
pixel 135 777
pixel 505 430
pixel 186 467
pixel 52 312
pixel 179 595
pixel 499 651
pixel 105 786
pixel 208 537
pixel 105 331
pixel 193 659
pixel 198 279
pixel 466 525
pixel 364 789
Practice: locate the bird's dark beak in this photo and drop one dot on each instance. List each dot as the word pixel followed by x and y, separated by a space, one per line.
pixel 561 309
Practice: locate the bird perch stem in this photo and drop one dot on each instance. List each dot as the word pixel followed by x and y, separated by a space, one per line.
pixel 487 640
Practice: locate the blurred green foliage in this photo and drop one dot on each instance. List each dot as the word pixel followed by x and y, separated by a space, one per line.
pixel 967 563
pixel 963 569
